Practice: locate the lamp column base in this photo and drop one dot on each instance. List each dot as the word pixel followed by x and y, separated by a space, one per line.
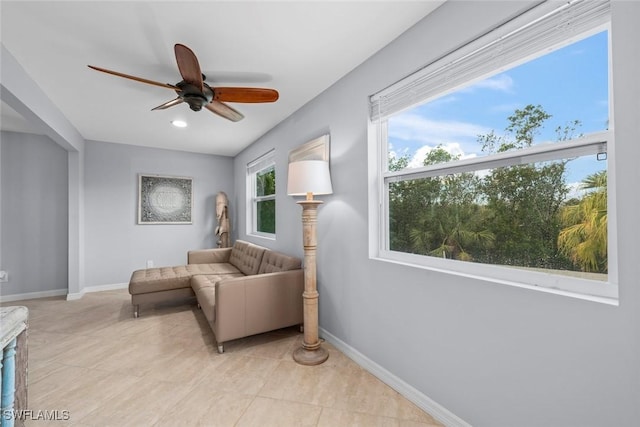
pixel 310 357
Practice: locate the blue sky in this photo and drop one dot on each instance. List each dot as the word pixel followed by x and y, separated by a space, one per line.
pixel 570 83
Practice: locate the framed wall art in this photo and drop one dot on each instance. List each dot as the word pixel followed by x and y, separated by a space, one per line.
pixel 164 199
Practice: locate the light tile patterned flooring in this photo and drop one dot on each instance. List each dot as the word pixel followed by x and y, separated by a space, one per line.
pixel 92 358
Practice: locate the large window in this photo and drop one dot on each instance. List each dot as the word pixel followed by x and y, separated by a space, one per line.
pixel 261 186
pixel 493 161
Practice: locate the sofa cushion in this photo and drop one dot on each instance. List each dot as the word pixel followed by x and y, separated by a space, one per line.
pixel 246 257
pixel 208 256
pixel 273 261
pixel 216 268
pixel 207 300
pixel 159 279
pixel 168 278
pixel 209 281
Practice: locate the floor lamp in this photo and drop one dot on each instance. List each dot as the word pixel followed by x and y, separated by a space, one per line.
pixel 309 177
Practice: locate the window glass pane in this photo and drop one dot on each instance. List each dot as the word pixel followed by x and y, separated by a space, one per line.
pixel 549 216
pixel 261 180
pixel 266 216
pixel 266 182
pixel 554 97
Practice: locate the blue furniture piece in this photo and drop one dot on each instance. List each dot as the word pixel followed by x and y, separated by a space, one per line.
pixel 13 326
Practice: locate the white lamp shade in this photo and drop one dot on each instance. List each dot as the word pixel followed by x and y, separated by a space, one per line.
pixel 309 176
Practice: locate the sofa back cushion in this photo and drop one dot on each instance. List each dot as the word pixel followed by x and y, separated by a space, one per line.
pixel 273 261
pixel 246 257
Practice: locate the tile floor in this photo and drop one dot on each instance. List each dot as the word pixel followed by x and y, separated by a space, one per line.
pixel 93 359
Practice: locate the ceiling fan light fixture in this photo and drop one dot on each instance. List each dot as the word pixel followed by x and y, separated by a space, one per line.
pixel 179 123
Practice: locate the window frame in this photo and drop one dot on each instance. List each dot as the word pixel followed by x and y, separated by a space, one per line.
pixel 380 177
pixel 263 163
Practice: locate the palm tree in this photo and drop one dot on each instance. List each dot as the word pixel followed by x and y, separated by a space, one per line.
pixel 452 238
pixel 584 238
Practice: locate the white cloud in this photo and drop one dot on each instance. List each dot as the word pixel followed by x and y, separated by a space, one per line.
pixel 501 82
pixel 415 130
pixel 412 127
pixel 575 190
pixel 418 157
pixel 444 100
pixel 396 153
pixel 453 148
pixel 417 160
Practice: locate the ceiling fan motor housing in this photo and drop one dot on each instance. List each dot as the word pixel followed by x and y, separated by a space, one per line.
pixel 192 95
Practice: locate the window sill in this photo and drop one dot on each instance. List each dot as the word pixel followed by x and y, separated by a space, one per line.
pixel 265 236
pixel 409 260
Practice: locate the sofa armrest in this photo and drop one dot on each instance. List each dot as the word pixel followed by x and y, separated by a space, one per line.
pixel 208 256
pixel 254 304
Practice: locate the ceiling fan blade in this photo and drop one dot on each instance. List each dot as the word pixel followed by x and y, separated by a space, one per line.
pixel 168 104
pixel 224 110
pixel 188 66
pixel 245 94
pixel 138 79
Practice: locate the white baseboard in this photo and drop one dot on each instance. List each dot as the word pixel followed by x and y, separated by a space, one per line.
pixel 425 403
pixel 33 295
pixel 75 296
pixel 60 292
pixel 99 288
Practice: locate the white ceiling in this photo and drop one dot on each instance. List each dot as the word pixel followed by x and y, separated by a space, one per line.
pixel 298 48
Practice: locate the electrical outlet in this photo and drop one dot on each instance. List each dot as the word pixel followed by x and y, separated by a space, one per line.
pixel 4 276
pixel 149 263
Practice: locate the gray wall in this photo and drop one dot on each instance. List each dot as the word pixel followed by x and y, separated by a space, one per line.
pixel 492 354
pixel 115 244
pixel 22 94
pixel 35 211
pixel 34 214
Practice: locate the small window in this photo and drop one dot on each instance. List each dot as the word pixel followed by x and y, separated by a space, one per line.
pixel 261 187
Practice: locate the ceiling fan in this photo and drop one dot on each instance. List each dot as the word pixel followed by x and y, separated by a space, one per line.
pixel 194 91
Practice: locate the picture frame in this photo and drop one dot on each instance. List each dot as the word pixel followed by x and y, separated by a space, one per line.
pixel 164 199
pixel 316 149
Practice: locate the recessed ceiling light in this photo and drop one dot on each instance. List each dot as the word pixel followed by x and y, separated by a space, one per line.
pixel 179 123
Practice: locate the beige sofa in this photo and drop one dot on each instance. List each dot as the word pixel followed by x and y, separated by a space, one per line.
pixel 243 290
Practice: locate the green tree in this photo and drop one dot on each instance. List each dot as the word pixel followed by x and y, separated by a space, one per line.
pixel 408 200
pixel 266 209
pixel 506 216
pixel 436 216
pixel 584 238
pixel 523 201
